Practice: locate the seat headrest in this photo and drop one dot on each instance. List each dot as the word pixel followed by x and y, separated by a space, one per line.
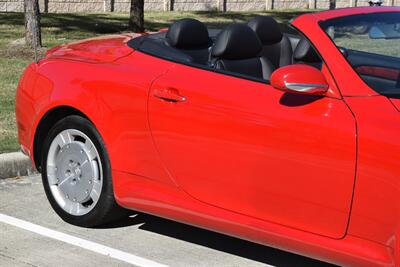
pixel 305 52
pixel 188 33
pixel 236 41
pixel 267 29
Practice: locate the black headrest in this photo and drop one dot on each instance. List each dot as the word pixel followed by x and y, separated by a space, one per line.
pixel 305 52
pixel 188 33
pixel 267 29
pixel 236 41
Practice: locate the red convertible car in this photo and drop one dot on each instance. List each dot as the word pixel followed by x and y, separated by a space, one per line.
pixel 287 139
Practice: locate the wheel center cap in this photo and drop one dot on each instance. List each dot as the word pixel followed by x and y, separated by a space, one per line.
pixel 77 172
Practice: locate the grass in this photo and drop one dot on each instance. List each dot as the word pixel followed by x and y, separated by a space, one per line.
pixel 364 43
pixel 62 28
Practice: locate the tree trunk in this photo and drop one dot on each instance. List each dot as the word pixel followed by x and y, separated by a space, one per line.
pixel 32 24
pixel 136 17
pixel 332 4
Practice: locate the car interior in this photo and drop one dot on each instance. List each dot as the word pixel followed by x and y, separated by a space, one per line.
pixel 369 43
pixel 252 50
pixel 382 73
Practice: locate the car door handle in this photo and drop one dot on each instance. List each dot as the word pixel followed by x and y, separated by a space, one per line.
pixel 170 95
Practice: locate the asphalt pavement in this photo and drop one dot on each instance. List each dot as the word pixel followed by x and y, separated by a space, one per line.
pixel 31 234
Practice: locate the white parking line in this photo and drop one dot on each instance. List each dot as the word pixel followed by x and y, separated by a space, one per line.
pixel 79 242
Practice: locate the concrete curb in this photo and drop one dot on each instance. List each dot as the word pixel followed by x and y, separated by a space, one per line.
pixel 15 164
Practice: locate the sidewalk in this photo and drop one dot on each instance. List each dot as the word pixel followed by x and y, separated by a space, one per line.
pixel 15 164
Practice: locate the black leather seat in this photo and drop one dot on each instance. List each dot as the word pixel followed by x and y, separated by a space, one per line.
pixel 305 53
pixel 276 47
pixel 237 49
pixel 191 37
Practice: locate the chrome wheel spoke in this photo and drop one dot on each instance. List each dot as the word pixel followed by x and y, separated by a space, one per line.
pixel 76 208
pixel 63 139
pixel 95 167
pixel 89 149
pixel 71 207
pixel 51 174
pixel 95 195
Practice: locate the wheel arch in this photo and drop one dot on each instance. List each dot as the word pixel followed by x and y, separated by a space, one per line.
pixel 47 121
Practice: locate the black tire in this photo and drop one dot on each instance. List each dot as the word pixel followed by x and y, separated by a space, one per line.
pixel 106 209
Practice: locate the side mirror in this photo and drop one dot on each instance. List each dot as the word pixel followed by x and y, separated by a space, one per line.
pixel 299 79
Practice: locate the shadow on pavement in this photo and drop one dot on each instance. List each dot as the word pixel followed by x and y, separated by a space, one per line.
pixel 220 242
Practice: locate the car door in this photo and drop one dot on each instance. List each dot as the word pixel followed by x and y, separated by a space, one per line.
pixel 245 147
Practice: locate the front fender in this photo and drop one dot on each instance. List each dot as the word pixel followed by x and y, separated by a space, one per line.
pixel 112 96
